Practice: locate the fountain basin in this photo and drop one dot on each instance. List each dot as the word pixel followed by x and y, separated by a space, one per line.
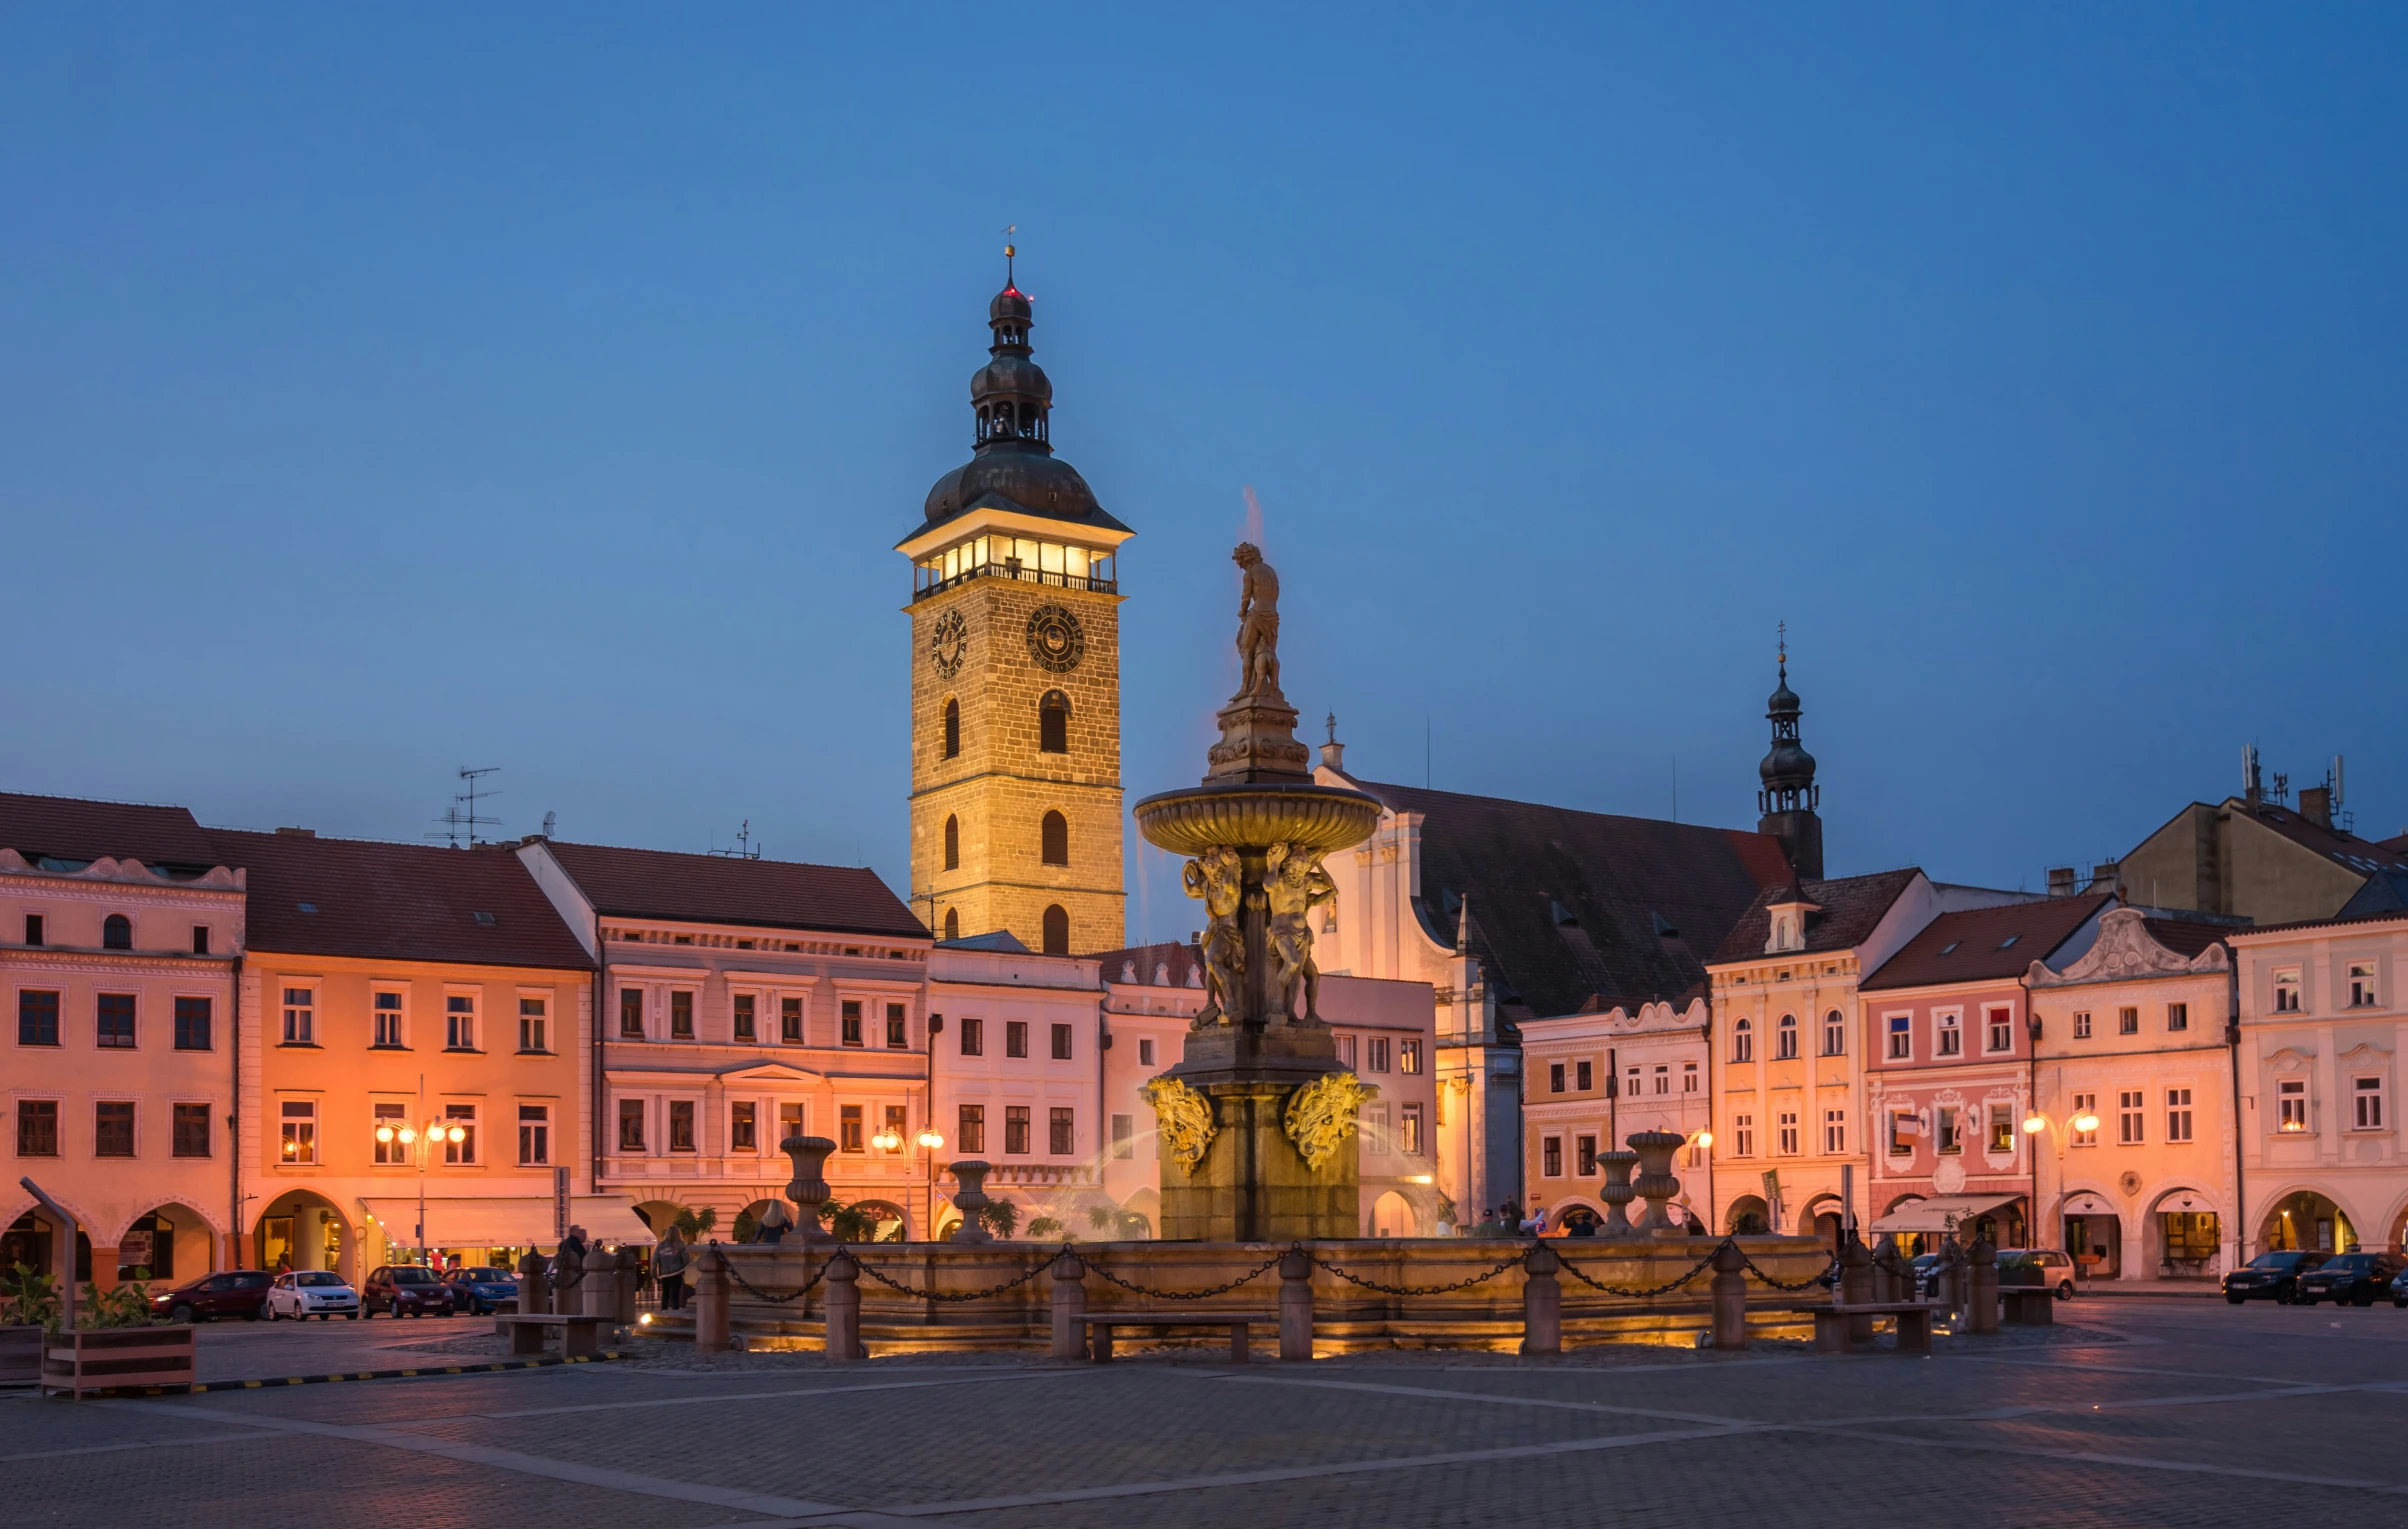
pixel 1251 817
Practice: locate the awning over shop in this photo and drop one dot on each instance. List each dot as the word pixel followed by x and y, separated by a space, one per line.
pixel 1940 1213
pixel 506 1221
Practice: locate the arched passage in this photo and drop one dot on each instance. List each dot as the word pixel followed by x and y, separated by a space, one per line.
pixel 301 1229
pixel 1392 1216
pixel 2183 1235
pixel 170 1242
pixel 889 1222
pixel 2306 1220
pixel 1748 1216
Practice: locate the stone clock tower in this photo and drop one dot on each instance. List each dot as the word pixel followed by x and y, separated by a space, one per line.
pixel 1015 678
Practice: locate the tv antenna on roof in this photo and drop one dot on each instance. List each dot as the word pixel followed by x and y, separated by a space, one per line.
pixel 745 848
pixel 457 821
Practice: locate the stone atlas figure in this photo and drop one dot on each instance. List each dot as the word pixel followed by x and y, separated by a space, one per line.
pixel 1257 623
pixel 1295 884
pixel 1218 877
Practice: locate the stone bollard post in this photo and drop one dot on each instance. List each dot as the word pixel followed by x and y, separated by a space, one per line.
pixel 601 1285
pixel 1069 1303
pixel 624 1265
pixel 1542 1302
pixel 710 1301
pixel 844 1309
pixel 533 1288
pixel 1981 1288
pixel 1296 1305
pixel 1889 1272
pixel 1729 1290
pixel 1855 1287
pixel 1617 1192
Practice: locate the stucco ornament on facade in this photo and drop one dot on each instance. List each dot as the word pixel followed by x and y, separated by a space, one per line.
pixel 1321 1115
pixel 2124 950
pixel 1184 1119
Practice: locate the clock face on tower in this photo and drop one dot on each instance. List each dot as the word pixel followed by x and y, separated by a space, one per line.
pixel 947 640
pixel 1055 639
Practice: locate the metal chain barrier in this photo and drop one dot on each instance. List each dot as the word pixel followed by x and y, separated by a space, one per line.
pixel 940 1295
pixel 759 1294
pixel 1256 1273
pixel 1461 1284
pixel 1828 1273
pixel 1666 1288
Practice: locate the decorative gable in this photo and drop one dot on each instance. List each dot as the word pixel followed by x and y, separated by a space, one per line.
pixel 2125 951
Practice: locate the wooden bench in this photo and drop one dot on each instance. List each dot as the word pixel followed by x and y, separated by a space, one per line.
pixel 2030 1305
pixel 1831 1325
pixel 580 1337
pixel 1099 1329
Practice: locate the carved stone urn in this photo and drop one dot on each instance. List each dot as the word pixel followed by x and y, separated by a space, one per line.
pixel 809 1187
pixel 970 1199
pixel 1618 1192
pixel 1655 1181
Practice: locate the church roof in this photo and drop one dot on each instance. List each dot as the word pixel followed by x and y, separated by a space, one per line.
pixel 1848 908
pixel 1571 907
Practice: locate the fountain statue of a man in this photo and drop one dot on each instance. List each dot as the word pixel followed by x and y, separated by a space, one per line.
pixel 1257 623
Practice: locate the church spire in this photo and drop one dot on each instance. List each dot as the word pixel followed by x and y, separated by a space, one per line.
pixel 1011 395
pixel 1789 795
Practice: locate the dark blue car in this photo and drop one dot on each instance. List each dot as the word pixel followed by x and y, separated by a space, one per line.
pixel 482 1291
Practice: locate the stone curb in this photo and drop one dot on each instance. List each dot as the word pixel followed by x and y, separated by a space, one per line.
pixel 420 1373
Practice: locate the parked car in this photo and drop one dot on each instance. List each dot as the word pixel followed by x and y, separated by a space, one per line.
pixel 2026 1268
pixel 2399 1288
pixel 237 1293
pixel 2270 1277
pixel 406 1290
pixel 1925 1269
pixel 482 1290
pixel 306 1293
pixel 2353 1277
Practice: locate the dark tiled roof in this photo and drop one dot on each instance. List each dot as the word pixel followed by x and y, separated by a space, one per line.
pixel 2346 850
pixel 1000 940
pixel 397 902
pixel 1567 906
pixel 2188 937
pixel 1973 944
pixel 1181 959
pixel 66 828
pixel 719 889
pixel 2379 916
pixel 1850 908
pixel 2398 846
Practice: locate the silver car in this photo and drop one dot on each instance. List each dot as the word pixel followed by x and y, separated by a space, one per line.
pixel 307 1293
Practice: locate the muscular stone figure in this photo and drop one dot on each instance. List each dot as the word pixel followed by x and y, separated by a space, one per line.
pixel 1257 624
pixel 1218 877
pixel 1295 884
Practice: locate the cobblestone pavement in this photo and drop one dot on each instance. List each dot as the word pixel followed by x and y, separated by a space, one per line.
pixel 2136 1412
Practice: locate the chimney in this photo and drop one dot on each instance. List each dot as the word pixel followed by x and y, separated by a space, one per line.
pixel 2104 877
pixel 2316 805
pixel 2060 881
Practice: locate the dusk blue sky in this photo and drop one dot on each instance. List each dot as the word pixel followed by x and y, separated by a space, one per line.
pixel 382 393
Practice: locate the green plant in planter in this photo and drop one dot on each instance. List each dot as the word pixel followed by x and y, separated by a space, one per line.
pixel 126 1306
pixel 28 1299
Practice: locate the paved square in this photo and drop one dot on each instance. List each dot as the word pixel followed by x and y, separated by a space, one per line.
pixel 2141 1411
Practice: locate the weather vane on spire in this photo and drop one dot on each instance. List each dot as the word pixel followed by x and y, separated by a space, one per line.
pixel 1783 628
pixel 1009 229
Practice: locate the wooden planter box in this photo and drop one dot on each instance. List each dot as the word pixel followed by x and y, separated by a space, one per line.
pixel 76 1363
pixel 20 1355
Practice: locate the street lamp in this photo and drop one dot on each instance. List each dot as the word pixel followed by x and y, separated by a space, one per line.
pixel 930 1141
pixel 421 1145
pixel 2033 1125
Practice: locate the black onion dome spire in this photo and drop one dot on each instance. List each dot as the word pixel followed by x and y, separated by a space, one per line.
pixel 1013 466
pixel 1788 770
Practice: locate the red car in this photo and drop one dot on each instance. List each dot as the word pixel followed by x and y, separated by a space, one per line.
pixel 406 1290
pixel 238 1293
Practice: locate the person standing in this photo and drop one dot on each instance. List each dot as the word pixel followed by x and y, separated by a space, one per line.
pixel 669 1267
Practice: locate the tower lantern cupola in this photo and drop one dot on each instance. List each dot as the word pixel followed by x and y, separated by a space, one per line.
pixel 1789 796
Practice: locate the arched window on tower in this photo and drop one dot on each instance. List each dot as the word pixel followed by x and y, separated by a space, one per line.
pixel 1053 723
pixel 953 923
pixel 117 931
pixel 953 844
pixel 953 729
pixel 1057 930
pixel 1054 839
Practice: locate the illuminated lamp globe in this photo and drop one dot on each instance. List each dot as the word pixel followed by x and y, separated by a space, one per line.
pixel 384 1133
pixel 2086 1122
pixel 931 1140
pixel 1705 1138
pixel 455 1136
pixel 2033 1125
pixel 886 1141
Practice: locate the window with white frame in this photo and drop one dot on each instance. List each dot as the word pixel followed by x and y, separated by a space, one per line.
pixel 1377 1050
pixel 1743 1136
pixel 1743 1042
pixel 1688 1077
pixel 1944 1130
pixel 1408 1060
pixel 743 1126
pixel 299 1119
pixel 1584 1074
pixel 1835 1132
pixel 463 1119
pixel 386 1010
pixel 1663 1078
pixel 2178 1016
pixel 743 1016
pixel 459 1022
pixel 2086 1105
pixel 390 1120
pixel 1950 1035
pixel 2178 1114
pixel 1785 1038
pixel 2362 985
pixel 1789 1133
pixel 300 1016
pixel 631 1013
pixel 1631 1088
pixel 534 1135
pixel 1904 1128
pixel 1551 1157
pixel 2130 1128
pixel 2366 1103
pixel 2291 1104
pixel 2002 1129
pixel 2081 1024
pixel 1902 1037
pixel 2286 990
pixel 2001 1025
pixel 631 1125
pixel 1835 1034
pixel 534 1024
pixel 1555 1077
pixel 2127 1020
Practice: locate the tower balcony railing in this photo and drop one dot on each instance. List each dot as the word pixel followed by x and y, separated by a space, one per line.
pixel 1027 575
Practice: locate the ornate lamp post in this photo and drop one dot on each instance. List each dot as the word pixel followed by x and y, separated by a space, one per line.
pixel 421 1145
pixel 2033 1125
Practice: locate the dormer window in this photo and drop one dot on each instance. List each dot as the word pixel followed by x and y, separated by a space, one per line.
pixel 1788 927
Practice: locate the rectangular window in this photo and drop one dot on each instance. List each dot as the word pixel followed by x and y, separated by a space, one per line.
pixel 631 1014
pixel 2002 1128
pixel 1944 1139
pixel 1555 1077
pixel 1145 1051
pixel 1903 1131
pixel 898 1027
pixel 848 1128
pixel 2361 984
pixel 37 1018
pixel 1835 1034
pixel 534 1024
pixel 1015 1037
pixel 1061 1134
pixel 2081 1024
pixel 790 1021
pixel 1743 1136
pixel 2130 1129
pixel 1688 1077
pixel 200 939
pixel 1951 1037
pixel 462 1118
pixel 972 1137
pixel 894 1129
pixel 1789 1133
pixel 116 1021
pixel 2127 1021
pixel 631 1125
pixel 681 1125
pixel 852 1022
pixel 33 929
pixel 191 1131
pixel 1409 1123
pixel 300 1016
pixel 1124 1137
pixel 534 1135
pixel 2178 1113
pixel 742 1017
pixel 2366 1103
pixel 459 1022
pixel 2002 1030
pixel 299 1118
pixel 2286 990
pixel 192 1024
pixel 1663 1078
pixel 681 1014
pixel 1835 1131
pixel 387 1122
pixel 1631 1089
pixel 37 1128
pixel 112 1130
pixel 743 1126
pixel 790 1122
pixel 384 1011
pixel 1377 1046
pixel 1346 1052
pixel 1584 1154
pixel 2291 1104
pixel 2086 1104
pixel 973 1036
pixel 1551 1156
pixel 1015 1130
pixel 1408 1061
pixel 1902 1037
pixel 1061 1043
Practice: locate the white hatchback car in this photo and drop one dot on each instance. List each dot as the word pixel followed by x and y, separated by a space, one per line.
pixel 308 1293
